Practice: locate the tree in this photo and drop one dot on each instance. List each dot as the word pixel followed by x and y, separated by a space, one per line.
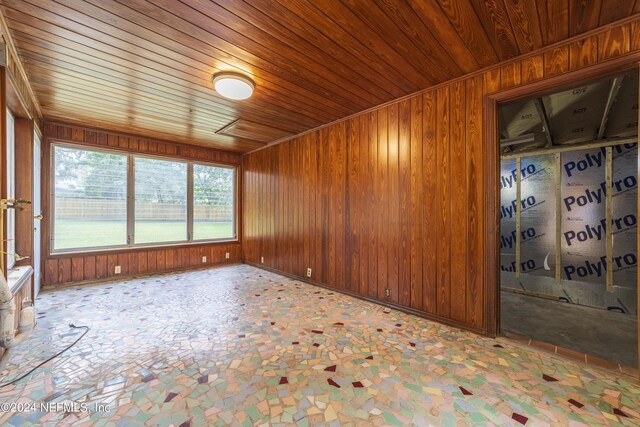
pixel 160 181
pixel 213 185
pixel 90 174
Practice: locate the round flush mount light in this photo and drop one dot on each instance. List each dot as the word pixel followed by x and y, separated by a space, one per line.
pixel 233 85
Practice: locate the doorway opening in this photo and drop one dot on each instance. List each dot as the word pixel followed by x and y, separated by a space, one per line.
pixel 569 219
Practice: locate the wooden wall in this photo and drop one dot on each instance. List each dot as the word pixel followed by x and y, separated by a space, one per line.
pixel 73 268
pixel 24 129
pixel 18 85
pixel 396 198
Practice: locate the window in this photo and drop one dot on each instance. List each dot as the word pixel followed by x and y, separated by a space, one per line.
pixel 90 204
pixel 161 201
pixel 11 190
pixel 213 202
pixel 105 199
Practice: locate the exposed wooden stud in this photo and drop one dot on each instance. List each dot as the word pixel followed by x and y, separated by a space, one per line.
pixel 616 84
pixel 546 128
pixel 558 182
pixel 608 217
pixel 518 212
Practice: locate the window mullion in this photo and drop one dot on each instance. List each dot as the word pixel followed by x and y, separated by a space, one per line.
pixel 190 201
pixel 131 208
pixel 235 203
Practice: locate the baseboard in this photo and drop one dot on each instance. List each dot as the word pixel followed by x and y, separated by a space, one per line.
pixel 121 277
pixel 558 351
pixel 408 310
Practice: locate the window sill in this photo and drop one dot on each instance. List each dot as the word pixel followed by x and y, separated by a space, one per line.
pixel 126 249
pixel 17 277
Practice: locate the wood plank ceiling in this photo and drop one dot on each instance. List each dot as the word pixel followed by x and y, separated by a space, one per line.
pixel 145 66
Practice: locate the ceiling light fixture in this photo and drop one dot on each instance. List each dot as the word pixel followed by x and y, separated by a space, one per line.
pixel 233 85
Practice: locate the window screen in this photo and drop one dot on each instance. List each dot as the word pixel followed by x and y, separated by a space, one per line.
pixel 92 208
pixel 213 202
pixel 90 198
pixel 160 201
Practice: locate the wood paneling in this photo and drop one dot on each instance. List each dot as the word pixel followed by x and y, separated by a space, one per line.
pixel 494 19
pixel 584 15
pixel 583 52
pixel 429 202
pixel 554 20
pixel 130 143
pixel 443 203
pixel 18 85
pixel 459 196
pixel 532 68
pixel 24 189
pixel 63 269
pixel 253 131
pixel 475 170
pixel 408 201
pixel 145 66
pixel 556 61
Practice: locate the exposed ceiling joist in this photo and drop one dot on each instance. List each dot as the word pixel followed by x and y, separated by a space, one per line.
pixel 521 139
pixel 616 84
pixel 607 142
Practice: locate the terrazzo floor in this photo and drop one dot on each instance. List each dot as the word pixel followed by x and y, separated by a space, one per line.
pixel 240 346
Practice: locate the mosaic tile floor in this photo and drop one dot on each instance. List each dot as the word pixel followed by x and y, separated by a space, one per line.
pixel 239 346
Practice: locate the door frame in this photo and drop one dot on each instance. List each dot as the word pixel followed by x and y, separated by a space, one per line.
pixel 37 245
pixel 620 65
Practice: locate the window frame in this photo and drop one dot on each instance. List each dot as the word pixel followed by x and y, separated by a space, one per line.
pixel 131 201
pixel 130 219
pixel 191 204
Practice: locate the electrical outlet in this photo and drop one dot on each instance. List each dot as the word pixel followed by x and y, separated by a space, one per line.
pixel 226 255
pixel 387 292
pixel 308 272
pixel 261 260
pixel 204 259
pixel 118 269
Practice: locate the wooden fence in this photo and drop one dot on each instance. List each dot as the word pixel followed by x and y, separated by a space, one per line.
pixel 96 209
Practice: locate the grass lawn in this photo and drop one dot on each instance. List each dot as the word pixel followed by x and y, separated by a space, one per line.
pixel 71 233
